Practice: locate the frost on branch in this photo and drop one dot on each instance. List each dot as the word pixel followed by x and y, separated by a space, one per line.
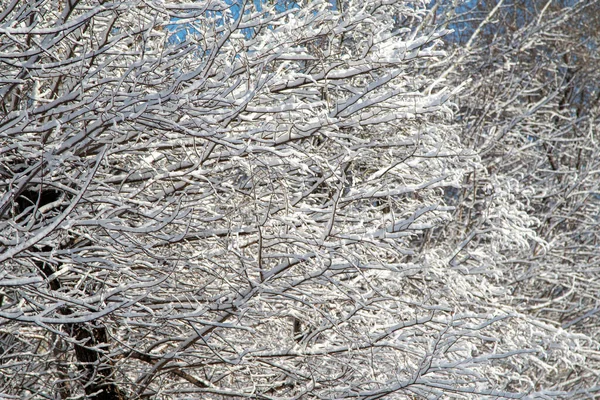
pixel 255 207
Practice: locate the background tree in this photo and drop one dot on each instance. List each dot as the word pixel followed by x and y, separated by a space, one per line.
pixel 253 199
pixel 532 113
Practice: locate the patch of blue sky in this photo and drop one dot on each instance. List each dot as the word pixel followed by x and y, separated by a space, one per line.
pixel 180 31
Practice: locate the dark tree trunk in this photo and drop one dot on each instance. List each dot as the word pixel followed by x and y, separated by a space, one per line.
pixel 92 337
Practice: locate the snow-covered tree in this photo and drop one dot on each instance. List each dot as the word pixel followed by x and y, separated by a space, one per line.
pixel 252 199
pixel 532 111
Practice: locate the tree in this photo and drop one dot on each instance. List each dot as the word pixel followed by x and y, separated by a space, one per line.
pixel 256 207
pixel 531 112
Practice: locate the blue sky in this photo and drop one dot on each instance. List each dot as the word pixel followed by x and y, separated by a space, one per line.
pixel 180 31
